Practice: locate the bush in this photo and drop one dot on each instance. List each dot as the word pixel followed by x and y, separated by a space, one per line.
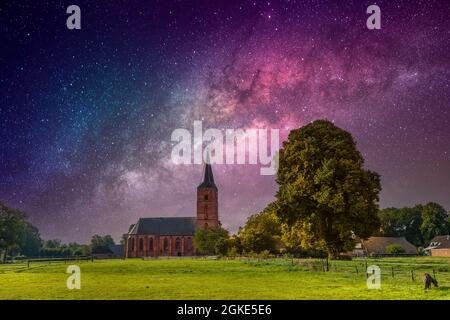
pixel 395 249
pixel 344 257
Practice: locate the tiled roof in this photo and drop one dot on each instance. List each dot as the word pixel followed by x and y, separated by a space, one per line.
pixel 440 242
pixel 165 226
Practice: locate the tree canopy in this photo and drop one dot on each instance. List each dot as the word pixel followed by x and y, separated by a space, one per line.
pixel 261 232
pixel 12 228
pixel 435 221
pixel 418 224
pixel 324 189
pixel 212 241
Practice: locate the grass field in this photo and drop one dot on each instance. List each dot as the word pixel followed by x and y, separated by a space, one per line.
pixel 224 279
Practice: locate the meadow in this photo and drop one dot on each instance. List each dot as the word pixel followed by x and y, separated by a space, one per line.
pixel 188 278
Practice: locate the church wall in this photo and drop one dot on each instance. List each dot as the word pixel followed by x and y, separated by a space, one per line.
pixel 162 246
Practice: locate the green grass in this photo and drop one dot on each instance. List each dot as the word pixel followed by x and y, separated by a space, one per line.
pixel 224 279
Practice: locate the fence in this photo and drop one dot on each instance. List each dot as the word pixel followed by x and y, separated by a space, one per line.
pixel 392 270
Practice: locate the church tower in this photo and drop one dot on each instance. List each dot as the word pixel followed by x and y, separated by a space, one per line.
pixel 207 201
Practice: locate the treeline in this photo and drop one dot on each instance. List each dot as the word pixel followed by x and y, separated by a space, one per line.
pixel 419 224
pixel 265 233
pixel 19 238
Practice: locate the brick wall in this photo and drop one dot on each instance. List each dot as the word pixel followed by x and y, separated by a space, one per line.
pixel 440 252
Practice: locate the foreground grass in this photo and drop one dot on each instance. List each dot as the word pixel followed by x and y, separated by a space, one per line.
pixel 223 279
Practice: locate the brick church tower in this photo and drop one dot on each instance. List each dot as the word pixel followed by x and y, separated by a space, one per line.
pixel 207 201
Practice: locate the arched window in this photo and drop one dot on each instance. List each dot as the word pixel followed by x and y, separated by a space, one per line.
pixel 166 244
pixel 141 244
pixel 206 197
pixel 150 244
pixel 177 244
pixel 188 243
pixel 132 243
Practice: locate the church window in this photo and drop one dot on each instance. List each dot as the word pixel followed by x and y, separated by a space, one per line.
pixel 132 243
pixel 141 244
pixel 178 244
pixel 166 244
pixel 206 197
pixel 150 243
pixel 188 243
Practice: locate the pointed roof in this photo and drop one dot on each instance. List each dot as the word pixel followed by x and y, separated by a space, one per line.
pixel 208 180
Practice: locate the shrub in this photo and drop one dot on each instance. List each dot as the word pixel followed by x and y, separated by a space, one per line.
pixel 395 249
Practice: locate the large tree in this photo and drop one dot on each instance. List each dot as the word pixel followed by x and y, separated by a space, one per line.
pixel 12 229
pixel 435 221
pixel 213 241
pixel 324 189
pixel 99 241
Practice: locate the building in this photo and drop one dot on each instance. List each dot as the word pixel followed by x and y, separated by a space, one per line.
pixel 376 246
pixel 113 251
pixel 439 246
pixel 153 237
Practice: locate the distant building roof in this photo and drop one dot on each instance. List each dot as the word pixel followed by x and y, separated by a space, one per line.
pixel 165 226
pixel 377 245
pixel 439 242
pixel 117 249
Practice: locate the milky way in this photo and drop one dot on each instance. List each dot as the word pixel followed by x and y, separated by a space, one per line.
pixel 87 115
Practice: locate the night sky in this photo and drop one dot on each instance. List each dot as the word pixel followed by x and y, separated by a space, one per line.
pixel 86 115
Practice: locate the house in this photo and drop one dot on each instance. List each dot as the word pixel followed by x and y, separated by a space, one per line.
pixel 376 246
pixel 439 246
pixel 173 236
pixel 109 252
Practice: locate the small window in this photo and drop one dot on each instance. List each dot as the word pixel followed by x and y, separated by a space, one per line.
pixel 141 244
pixel 206 197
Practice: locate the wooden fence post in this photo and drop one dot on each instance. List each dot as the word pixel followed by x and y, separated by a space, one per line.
pixel 356 267
pixel 392 272
pixel 434 274
pixel 412 275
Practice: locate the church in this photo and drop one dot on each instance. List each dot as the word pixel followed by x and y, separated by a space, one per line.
pixel 173 236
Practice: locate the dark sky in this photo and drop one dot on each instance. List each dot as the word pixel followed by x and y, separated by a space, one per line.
pixel 86 115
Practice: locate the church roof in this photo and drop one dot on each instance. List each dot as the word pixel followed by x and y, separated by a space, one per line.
pixel 175 226
pixel 208 180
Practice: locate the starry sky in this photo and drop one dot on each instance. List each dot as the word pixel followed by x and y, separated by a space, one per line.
pixel 86 115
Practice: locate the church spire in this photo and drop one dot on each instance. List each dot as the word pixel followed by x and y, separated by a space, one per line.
pixel 208 179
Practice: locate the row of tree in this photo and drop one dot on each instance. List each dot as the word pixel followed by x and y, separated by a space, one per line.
pixel 18 237
pixel 264 232
pixel 419 224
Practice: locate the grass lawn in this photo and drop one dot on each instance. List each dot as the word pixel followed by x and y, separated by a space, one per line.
pixel 224 279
